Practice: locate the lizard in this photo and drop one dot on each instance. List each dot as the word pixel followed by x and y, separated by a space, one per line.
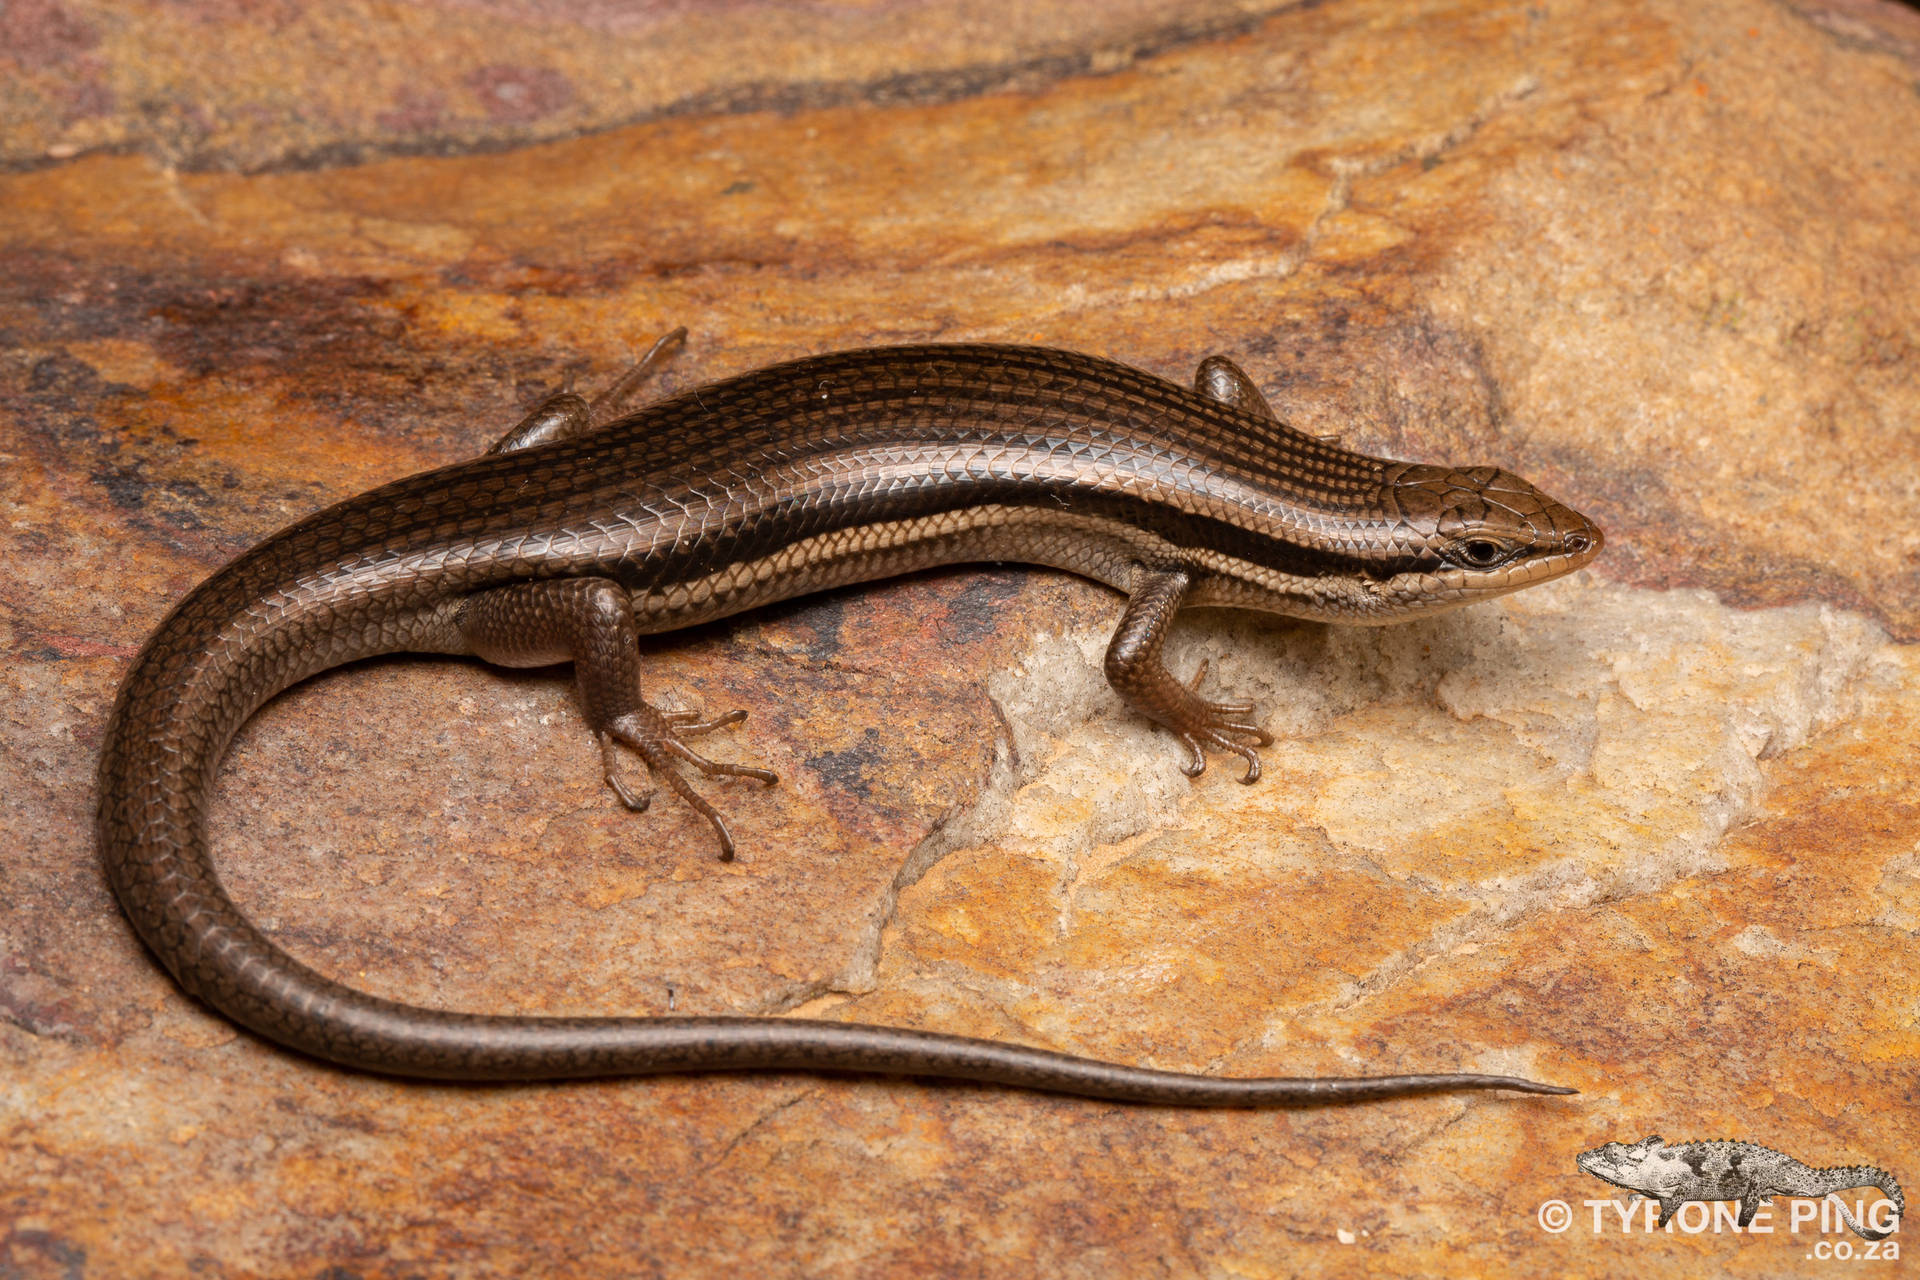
pixel 585 528
pixel 1727 1170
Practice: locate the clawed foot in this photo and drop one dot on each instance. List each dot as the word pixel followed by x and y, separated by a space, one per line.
pixel 660 738
pixel 1221 725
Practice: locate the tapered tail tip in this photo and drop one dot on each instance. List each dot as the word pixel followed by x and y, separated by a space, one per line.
pixel 1516 1084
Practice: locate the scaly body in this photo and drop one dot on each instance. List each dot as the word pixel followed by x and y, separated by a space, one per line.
pixel 573 537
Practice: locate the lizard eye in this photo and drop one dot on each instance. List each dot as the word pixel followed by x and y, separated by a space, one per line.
pixel 1480 553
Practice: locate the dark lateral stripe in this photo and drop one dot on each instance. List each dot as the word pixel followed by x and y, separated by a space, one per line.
pixel 842 505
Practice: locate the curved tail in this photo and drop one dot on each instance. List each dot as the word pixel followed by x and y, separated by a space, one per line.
pixel 1830 1182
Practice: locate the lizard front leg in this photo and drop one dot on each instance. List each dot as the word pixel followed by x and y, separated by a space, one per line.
pixel 1140 677
pixel 589 622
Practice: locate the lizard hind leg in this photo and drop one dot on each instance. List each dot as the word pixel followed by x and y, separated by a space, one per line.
pixel 589 622
pixel 566 414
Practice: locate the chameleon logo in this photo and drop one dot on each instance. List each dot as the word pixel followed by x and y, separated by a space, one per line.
pixel 1721 1170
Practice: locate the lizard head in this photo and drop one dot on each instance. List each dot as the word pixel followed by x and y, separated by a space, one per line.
pixel 1637 1168
pixel 1467 534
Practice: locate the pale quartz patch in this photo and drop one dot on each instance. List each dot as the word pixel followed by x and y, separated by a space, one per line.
pixel 1569 745
pixel 1761 942
pixel 1630 706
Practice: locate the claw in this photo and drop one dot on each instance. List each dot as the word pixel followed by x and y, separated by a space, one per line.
pixel 1252 757
pixel 712 767
pixel 712 815
pixel 690 725
pixel 634 800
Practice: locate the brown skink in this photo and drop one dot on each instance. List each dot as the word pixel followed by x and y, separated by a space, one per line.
pixel 575 536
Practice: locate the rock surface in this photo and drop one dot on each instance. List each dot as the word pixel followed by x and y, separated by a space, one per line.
pixel 1653 832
